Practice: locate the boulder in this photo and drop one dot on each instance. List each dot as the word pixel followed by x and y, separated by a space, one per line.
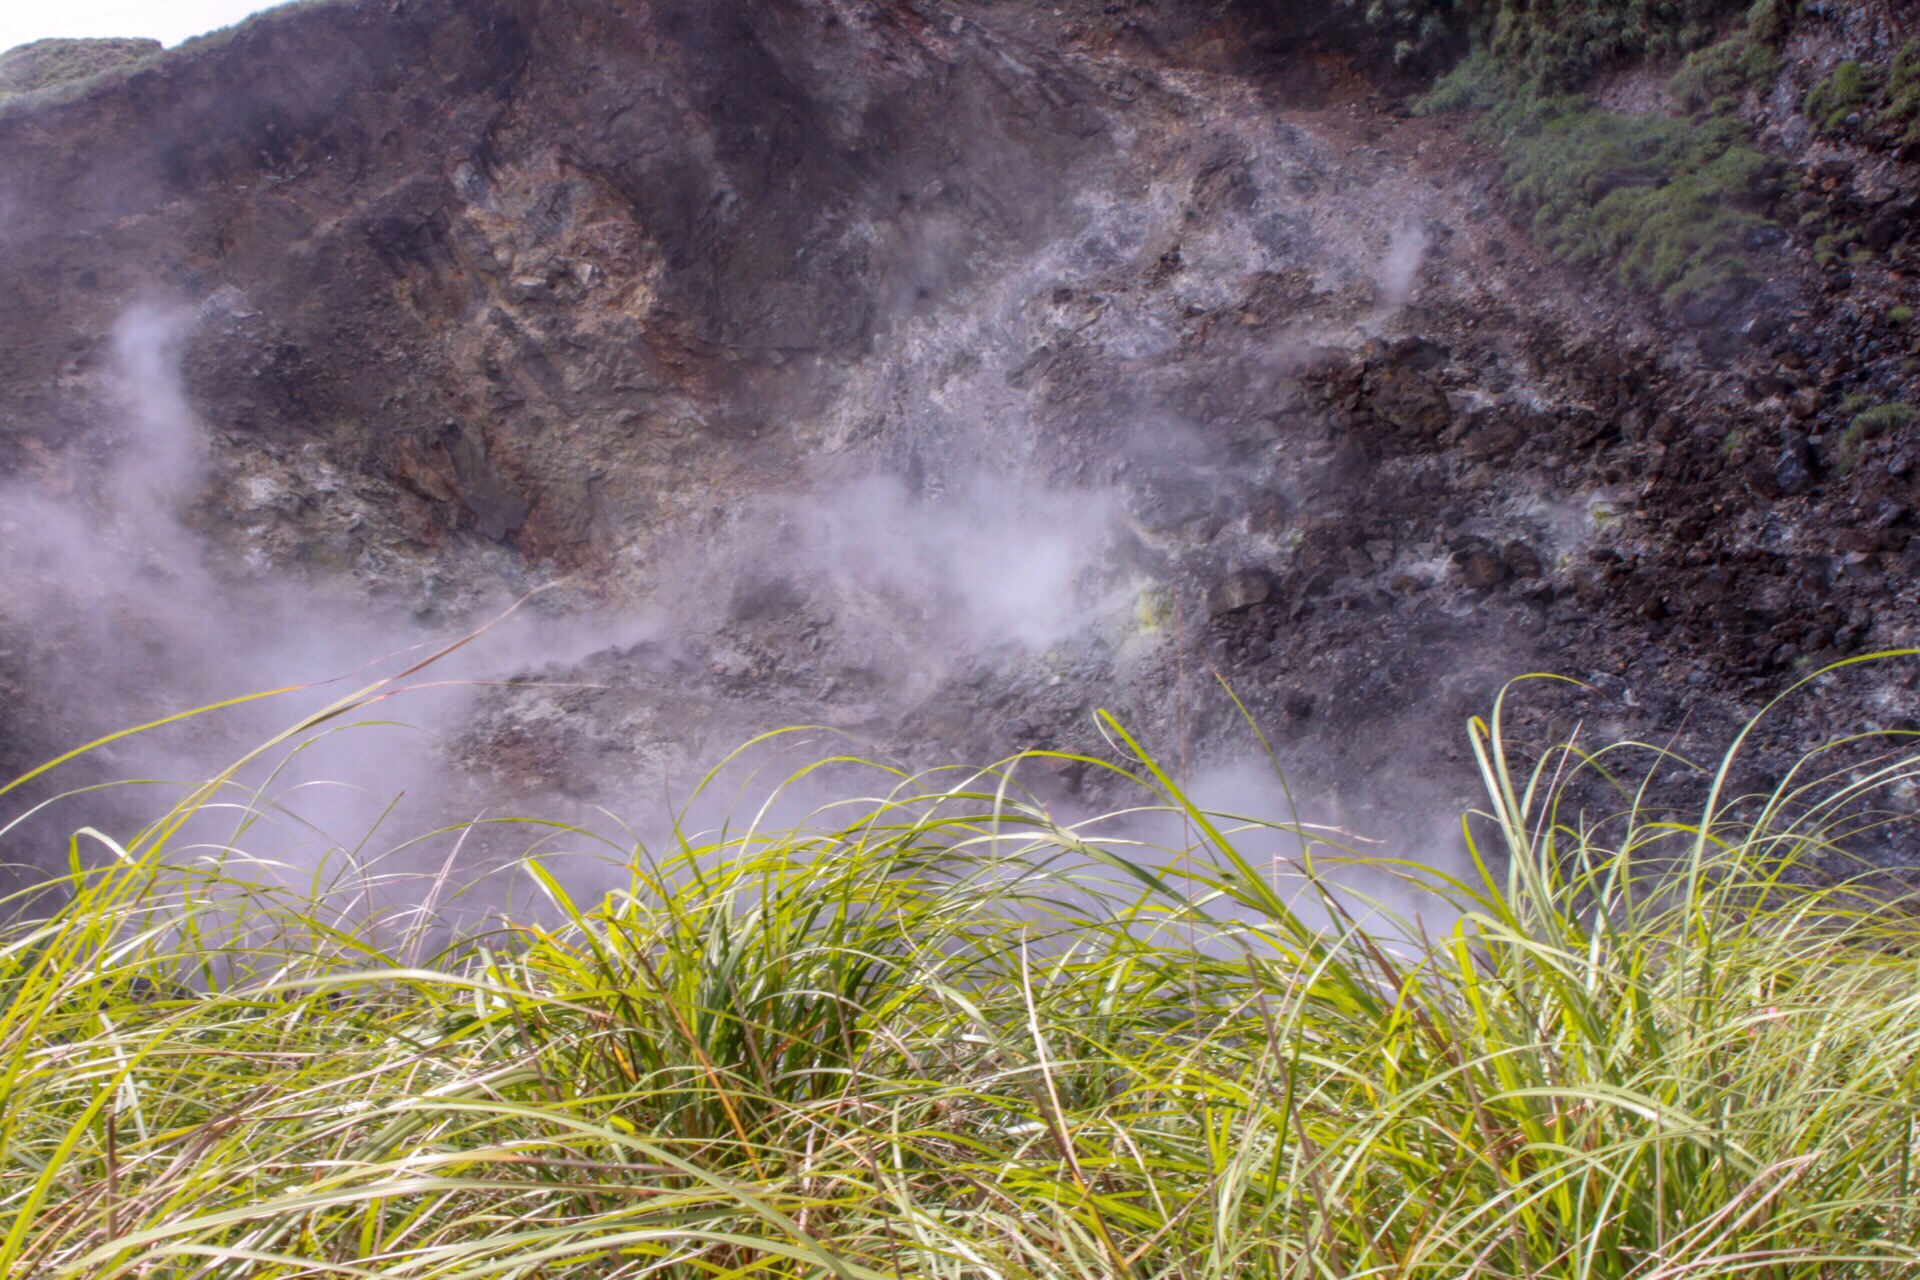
pixel 1792 472
pixel 1480 570
pixel 1495 440
pixel 1239 591
pixel 1405 397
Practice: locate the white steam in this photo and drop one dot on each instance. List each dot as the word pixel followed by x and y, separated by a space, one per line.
pixel 906 580
pixel 161 464
pixel 992 561
pixel 1400 270
pixel 118 620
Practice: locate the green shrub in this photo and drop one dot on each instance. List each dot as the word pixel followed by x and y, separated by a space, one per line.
pixel 1419 27
pixel 1713 78
pixel 1668 205
pixel 1768 19
pixel 1560 43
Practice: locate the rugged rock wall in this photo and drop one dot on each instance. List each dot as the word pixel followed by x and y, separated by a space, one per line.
pixel 942 372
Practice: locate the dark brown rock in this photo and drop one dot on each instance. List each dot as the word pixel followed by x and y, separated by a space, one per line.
pixel 1333 366
pixel 1350 461
pixel 1521 560
pixel 498 505
pixel 1792 470
pixel 1481 570
pixel 1269 513
pixel 1406 398
pixel 1423 355
pixel 1494 440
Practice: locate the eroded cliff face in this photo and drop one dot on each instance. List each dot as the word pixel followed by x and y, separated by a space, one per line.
pixel 939 372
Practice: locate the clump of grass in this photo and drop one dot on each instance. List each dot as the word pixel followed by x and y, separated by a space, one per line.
pixel 1713 79
pixel 1868 424
pixel 1888 417
pixel 1901 112
pixel 1769 19
pixel 1841 245
pixel 1847 88
pixel 1885 96
pixel 935 1031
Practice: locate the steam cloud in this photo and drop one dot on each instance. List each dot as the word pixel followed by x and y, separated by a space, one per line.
pixel 915 580
pixel 1400 269
pixel 990 562
pixel 128 623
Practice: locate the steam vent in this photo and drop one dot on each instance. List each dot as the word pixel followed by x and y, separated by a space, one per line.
pixel 947 371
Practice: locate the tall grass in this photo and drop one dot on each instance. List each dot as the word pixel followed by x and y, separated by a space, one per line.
pixel 934 1031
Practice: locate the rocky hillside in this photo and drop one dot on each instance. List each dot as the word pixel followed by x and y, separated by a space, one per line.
pixel 944 371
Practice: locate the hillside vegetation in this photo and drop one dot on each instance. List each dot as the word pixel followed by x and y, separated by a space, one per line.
pixel 1673 204
pixel 933 1032
pixel 46 63
pixel 1559 43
